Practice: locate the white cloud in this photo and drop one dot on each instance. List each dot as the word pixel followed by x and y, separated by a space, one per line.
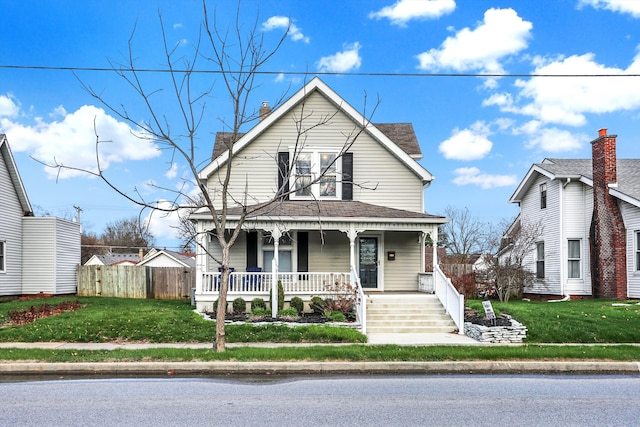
pixel 404 11
pixel 284 23
pixel 467 144
pixel 473 176
pixel 552 139
pixel 164 225
pixel 71 141
pixel 9 107
pixel 631 7
pixel 501 34
pixel 566 100
pixel 347 60
pixel 172 172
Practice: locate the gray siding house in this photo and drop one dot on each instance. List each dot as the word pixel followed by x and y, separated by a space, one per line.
pixel 37 254
pixel 590 213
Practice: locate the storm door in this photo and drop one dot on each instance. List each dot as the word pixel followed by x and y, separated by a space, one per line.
pixel 368 261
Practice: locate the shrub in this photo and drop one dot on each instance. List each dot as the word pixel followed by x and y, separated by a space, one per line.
pixel 258 303
pixel 260 311
pixel 317 305
pixel 239 305
pixel 280 296
pixel 335 316
pixel 342 297
pixel 288 312
pixel 465 284
pixel 297 304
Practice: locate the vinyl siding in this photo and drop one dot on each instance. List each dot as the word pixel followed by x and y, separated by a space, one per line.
pixel 631 216
pixel 401 274
pixel 51 255
pixel 11 233
pixel 578 202
pixel 330 256
pixel 381 178
pixel 531 213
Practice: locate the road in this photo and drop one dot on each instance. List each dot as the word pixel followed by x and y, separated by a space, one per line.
pixel 326 401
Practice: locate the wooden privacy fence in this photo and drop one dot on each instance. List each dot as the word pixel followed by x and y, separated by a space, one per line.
pixel 135 282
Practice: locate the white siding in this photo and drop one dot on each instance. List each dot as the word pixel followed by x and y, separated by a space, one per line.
pixel 531 213
pixel 631 216
pixel 382 179
pixel 51 255
pixel 163 261
pixel 11 233
pixel 401 274
pixel 578 202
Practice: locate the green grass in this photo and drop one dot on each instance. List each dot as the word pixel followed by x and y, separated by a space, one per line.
pixel 361 353
pixel 156 321
pixel 579 321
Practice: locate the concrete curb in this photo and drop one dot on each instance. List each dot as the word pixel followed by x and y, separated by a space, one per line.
pixel 168 369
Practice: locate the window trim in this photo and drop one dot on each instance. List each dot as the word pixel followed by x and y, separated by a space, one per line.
pixel 572 260
pixel 637 249
pixel 540 272
pixel 543 195
pixel 3 256
pixel 316 173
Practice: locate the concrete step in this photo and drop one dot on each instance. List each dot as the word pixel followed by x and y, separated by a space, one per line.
pixel 410 330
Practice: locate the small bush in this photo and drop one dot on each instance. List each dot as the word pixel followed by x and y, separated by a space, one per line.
pixel 258 303
pixel 335 316
pixel 317 305
pixel 298 304
pixel 239 305
pixel 288 312
pixel 280 296
pixel 260 311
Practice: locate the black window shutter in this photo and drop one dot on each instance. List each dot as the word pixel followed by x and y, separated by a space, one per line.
pixel 252 249
pixel 303 251
pixel 347 176
pixel 283 174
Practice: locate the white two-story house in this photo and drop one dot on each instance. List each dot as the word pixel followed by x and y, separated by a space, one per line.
pixel 584 251
pixel 365 216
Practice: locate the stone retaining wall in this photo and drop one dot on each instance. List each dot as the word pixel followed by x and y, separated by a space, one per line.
pixel 496 334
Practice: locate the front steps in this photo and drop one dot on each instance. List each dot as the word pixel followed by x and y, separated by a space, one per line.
pixel 407 314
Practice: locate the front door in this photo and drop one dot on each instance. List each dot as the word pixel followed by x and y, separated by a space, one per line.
pixel 368 262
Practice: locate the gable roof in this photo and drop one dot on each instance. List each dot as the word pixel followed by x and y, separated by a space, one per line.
pixel 14 175
pixel 185 260
pixel 404 148
pixel 628 172
pixel 113 259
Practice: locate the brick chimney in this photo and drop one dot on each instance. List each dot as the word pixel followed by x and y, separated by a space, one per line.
pixel 607 234
pixel 264 110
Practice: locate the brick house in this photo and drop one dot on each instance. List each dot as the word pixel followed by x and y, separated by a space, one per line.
pixel 590 214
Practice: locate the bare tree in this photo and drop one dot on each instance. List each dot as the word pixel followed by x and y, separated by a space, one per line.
pixel 463 235
pixel 237 54
pixel 508 269
pixel 126 235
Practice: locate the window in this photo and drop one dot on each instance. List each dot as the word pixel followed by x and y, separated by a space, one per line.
pixel 543 196
pixel 540 260
pixel 637 250
pixel 2 255
pixel 574 261
pixel 285 248
pixel 308 167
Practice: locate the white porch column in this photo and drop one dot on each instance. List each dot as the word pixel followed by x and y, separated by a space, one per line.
pixel 434 239
pixel 201 255
pixel 275 235
pixel 352 234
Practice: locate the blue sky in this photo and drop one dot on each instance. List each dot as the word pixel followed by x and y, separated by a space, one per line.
pixel 479 135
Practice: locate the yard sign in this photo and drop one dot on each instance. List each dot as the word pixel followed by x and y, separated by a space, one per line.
pixel 488 310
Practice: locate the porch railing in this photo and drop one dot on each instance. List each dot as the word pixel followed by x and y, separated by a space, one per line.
pixel 361 302
pixel 302 283
pixel 452 301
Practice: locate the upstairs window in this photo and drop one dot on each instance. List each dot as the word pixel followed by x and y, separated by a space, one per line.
pixel 540 260
pixel 543 196
pixel 2 256
pixel 316 175
pixel 574 259
pixel 637 250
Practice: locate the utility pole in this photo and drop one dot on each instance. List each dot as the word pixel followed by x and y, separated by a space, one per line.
pixel 78 210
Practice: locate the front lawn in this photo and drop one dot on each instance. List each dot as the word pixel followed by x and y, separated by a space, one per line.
pixel 157 321
pixel 579 321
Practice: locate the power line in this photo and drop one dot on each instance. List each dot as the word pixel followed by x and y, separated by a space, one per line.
pixel 306 73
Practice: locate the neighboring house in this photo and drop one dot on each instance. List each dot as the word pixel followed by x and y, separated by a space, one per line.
pixel 581 250
pixel 114 259
pixel 364 219
pixel 37 254
pixel 167 258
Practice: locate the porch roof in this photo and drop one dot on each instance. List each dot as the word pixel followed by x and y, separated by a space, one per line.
pixel 328 211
